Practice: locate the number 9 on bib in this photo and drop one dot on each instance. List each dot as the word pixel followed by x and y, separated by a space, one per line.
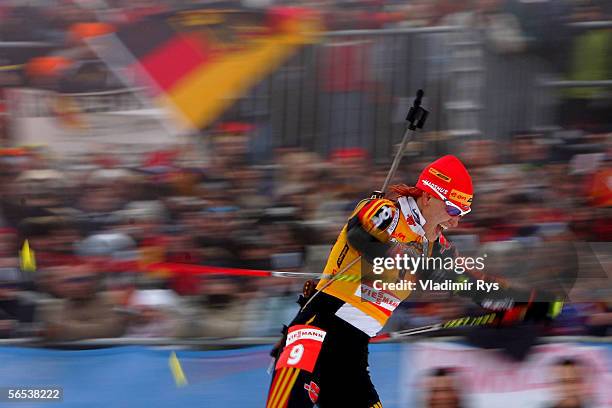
pixel 302 347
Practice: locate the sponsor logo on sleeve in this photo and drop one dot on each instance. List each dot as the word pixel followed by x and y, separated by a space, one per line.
pixel 342 255
pixel 393 223
pixel 383 217
pixel 400 236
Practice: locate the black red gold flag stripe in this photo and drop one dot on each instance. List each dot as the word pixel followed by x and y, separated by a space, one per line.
pixel 197 62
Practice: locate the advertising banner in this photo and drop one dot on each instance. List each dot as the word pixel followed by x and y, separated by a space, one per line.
pixel 488 378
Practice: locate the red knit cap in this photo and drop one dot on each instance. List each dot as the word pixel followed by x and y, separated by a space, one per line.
pixel 448 176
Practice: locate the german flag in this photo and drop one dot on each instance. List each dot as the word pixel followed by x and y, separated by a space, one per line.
pixel 197 62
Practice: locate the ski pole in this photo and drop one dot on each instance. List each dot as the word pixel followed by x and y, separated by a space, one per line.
pixel 467 321
pixel 416 119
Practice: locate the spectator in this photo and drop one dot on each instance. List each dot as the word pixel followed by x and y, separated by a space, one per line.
pixel 219 310
pixel 16 310
pixel 8 249
pixel 154 313
pixel 83 311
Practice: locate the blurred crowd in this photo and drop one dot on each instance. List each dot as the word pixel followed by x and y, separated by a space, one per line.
pixel 54 18
pixel 100 245
pixel 508 26
pixel 109 243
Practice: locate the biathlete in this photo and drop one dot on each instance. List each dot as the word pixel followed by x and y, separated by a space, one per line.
pixel 323 357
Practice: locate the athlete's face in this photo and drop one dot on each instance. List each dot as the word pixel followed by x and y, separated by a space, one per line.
pixel 438 220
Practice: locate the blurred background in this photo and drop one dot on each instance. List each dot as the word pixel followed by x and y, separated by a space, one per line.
pixel 159 159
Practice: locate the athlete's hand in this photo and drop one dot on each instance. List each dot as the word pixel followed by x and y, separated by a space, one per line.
pixel 309 288
pixel 278 346
pixel 411 249
pixel 444 250
pixel 540 311
pixel 531 312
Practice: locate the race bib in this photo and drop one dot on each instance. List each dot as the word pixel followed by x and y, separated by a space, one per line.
pixel 302 348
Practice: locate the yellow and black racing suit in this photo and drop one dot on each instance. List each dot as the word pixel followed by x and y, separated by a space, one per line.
pixel 341 318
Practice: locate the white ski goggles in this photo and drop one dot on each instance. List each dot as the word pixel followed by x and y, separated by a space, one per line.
pixel 452 209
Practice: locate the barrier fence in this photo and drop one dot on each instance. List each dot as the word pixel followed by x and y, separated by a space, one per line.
pixel 351 89
pixel 354 88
